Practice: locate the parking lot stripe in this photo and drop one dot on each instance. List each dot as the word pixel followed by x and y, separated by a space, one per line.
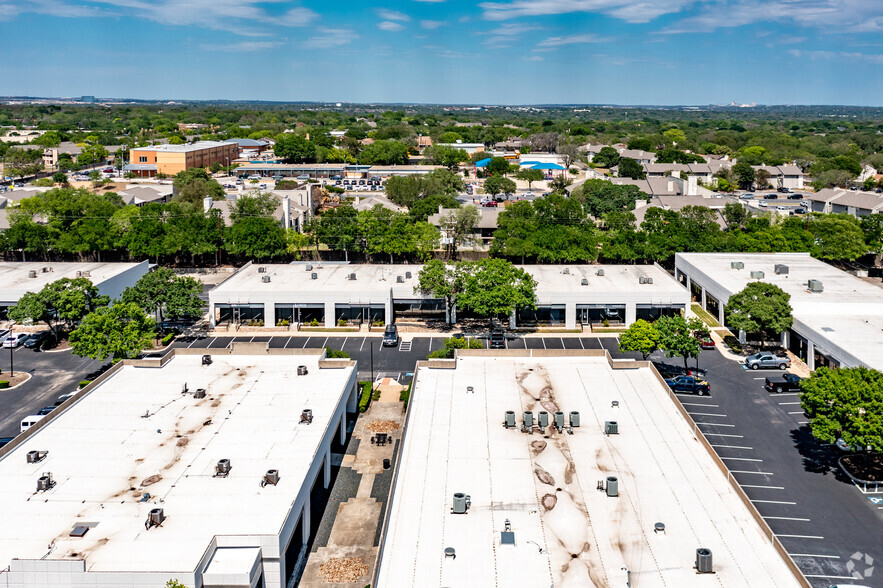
pixel 750 472
pixel 789 394
pixel 581 343
pixel 716 424
pixel 788 519
pixel 721 435
pixel 544 343
pixel 774 502
pixel 342 345
pixel 802 536
pixel 307 342
pixel 698 404
pixel 796 412
pixel 711 414
pixel 760 378
pixel 733 447
pixel 814 555
pixel 287 342
pixel 325 342
pixel 787 403
pixel 768 487
pixel 742 458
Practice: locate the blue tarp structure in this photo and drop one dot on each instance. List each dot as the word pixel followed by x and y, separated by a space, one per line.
pixel 528 163
pixel 547 166
pixel 483 162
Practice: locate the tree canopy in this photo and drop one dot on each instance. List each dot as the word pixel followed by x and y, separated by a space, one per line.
pixel 760 308
pixel 641 336
pixel 166 295
pixel 495 287
pixel 115 332
pixel 845 403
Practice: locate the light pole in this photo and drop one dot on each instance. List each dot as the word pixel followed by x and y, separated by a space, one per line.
pixel 371 349
pixel 11 349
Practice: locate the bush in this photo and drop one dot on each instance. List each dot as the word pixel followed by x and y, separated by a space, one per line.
pixel 84 383
pixel 4 384
pixel 256 323
pixel 286 185
pixel 314 323
pixel 44 182
pixel 405 395
pixel 168 339
pixel 365 397
pixel 377 323
pixel 336 354
pixel 452 344
pixel 283 323
pixel 733 343
pixel 341 322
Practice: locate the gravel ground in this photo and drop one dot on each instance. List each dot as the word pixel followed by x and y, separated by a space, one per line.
pixel 344 487
pixel 380 490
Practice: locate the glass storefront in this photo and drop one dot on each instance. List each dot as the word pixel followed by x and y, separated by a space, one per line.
pixel 541 315
pixel 238 313
pixel 359 313
pixel 300 313
pixel 650 312
pixel 587 314
pixel 426 310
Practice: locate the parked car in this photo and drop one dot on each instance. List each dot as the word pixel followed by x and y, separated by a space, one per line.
pixel 46 410
pixel 747 196
pixel 303 177
pixel 762 204
pixel 4 333
pixel 799 210
pixel 671 371
pixel 5 440
pixel 37 340
pixel 767 360
pixel 13 341
pixel 336 177
pixel 61 399
pixel 783 383
pixel 771 197
pixel 29 421
pixel 390 336
pixel 497 339
pixel 689 384
pixel 276 178
pixel 489 204
pixel 528 194
pixel 782 208
pixel 784 190
pixel 795 196
pixel 707 344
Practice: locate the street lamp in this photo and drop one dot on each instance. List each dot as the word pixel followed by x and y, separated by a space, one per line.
pixel 11 349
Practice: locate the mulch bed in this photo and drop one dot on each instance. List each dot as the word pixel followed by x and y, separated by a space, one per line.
pixel 19 378
pixel 864 466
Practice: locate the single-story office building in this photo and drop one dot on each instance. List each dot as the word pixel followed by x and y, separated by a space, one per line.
pixel 838 317
pixel 328 292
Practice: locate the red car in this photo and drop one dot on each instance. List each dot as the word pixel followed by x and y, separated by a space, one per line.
pixel 706 344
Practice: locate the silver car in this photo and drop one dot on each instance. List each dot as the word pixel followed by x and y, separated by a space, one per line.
pixel 767 360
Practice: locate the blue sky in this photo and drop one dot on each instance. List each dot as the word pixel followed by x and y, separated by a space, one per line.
pixel 449 51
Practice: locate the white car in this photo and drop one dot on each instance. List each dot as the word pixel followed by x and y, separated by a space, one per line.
pixel 762 204
pixel 13 341
pixel 781 208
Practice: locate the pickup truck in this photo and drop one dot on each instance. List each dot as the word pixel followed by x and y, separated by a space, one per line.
pixel 689 384
pixel 783 383
pixel 767 360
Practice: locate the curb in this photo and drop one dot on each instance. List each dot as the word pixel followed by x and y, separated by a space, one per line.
pixel 858 481
pixel 19 384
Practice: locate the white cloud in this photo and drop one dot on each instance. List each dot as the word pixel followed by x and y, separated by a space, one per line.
pixel 390 26
pixel 432 24
pixel 571 40
pixel 330 38
pixel 838 55
pixel 629 10
pixel 507 33
pixel 392 15
pixel 534 58
pixel 244 46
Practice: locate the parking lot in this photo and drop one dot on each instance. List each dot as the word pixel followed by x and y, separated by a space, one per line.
pixel 831 530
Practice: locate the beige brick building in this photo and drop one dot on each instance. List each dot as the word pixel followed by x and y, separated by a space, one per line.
pixel 171 159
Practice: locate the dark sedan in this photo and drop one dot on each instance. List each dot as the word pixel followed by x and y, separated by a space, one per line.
pixel 689 384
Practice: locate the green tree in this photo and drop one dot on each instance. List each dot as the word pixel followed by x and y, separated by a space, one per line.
pixel 499 166
pixel 641 336
pixel 451 344
pixel 674 136
pixel 845 403
pixel 450 157
pixel 495 287
pixel 165 294
pixel 460 224
pixel 744 174
pixel 499 185
pixel 530 176
pixel 441 280
pixel 629 168
pixel 384 153
pixel 294 148
pixel 92 155
pixel 59 178
pixel 174 584
pixel 606 157
pixel 735 215
pixel 600 197
pixel 872 228
pixel 677 338
pixel 117 332
pixel 424 208
pixel 404 190
pixel 760 308
pixel 32 308
pixel 837 236
pixel 194 184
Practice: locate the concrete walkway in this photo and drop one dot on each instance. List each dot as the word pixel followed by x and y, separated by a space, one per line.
pixel 355 530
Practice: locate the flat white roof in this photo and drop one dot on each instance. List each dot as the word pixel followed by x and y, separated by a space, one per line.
pixel 103 451
pixel 846 317
pixel 567 532
pixel 15 280
pixel 185 148
pixel 374 282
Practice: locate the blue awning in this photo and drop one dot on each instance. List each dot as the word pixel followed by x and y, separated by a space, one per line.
pixel 483 162
pixel 528 163
pixel 547 166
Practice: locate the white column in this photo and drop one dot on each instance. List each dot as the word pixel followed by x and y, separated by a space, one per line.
pixel 741 336
pixel 810 355
pixel 570 315
pixel 211 315
pixel 343 428
pixel 631 313
pixel 690 286
pixel 326 474
pixel 305 520
pixel 512 320
pixel 353 403
pixel 786 339
pixel 703 299
pixel 329 314
pixel 720 312
pixel 269 314
pixel 387 312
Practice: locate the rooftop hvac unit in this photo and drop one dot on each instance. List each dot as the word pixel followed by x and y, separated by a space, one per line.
pixel 206 360
pixel 462 502
pixel 301 370
pixel 703 561
pixel 600 272
pixel 32 274
pixel 155 518
pixel 306 417
pixel 815 286
pixel 611 428
pixel 737 265
pixel 36 456
pixel 649 281
pixel 781 269
pixel 757 275
pixel 352 277
pixel 314 276
pixel 309 267
pixel 543 419
pixel 566 271
pixel 271 477
pixel 199 393
pixel 87 274
pixel 265 279
pixel 612 486
pixel 407 275
pixel 527 421
pixel 222 469
pixel 558 420
pixel 642 280
pixel 262 270
pixel 400 280
pixel 46 269
pixel 45 482
pixel 509 419
pixel 79 274
pixel 584 282
pixel 574 419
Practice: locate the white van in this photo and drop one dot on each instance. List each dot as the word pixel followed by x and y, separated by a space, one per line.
pixel 30 421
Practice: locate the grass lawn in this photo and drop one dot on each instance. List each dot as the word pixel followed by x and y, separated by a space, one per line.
pixel 706 316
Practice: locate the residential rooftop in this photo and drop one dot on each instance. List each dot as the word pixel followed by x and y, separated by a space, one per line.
pixel 185 148
pixel 549 489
